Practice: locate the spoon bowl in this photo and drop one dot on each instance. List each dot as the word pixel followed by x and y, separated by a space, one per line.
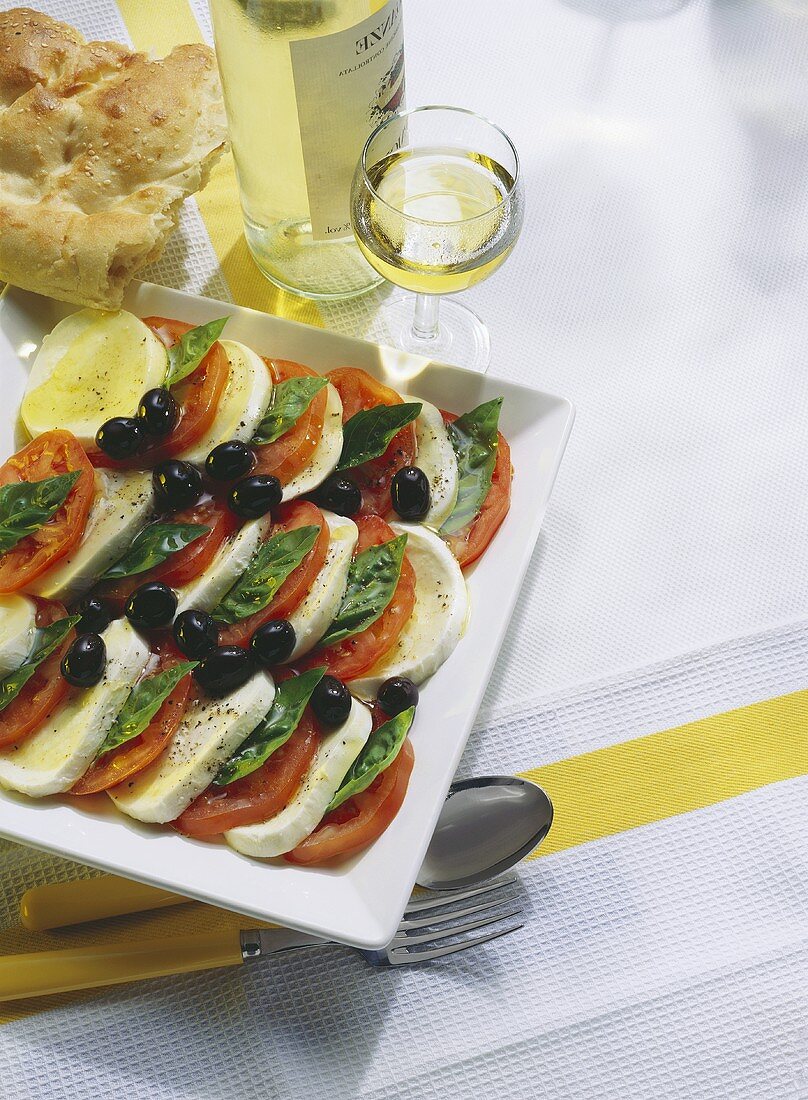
pixel 487 824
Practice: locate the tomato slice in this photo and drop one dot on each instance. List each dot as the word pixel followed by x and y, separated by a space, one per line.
pixel 359 390
pixel 187 564
pixel 356 655
pixel 259 795
pixel 361 819
pixel 297 513
pixel 467 545
pixel 289 455
pixel 198 396
pixel 133 756
pixel 46 689
pixel 55 452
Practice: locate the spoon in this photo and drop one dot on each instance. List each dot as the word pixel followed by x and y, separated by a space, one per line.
pixel 486 826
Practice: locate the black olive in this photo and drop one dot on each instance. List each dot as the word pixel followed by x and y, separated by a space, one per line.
pixel 196 633
pixel 331 701
pixel 340 494
pixel 96 615
pixel 151 606
pixel 229 461
pixel 177 485
pixel 159 412
pixel 273 642
pixel 84 663
pixel 224 670
pixel 410 493
pixel 397 694
pixel 255 496
pixel 121 437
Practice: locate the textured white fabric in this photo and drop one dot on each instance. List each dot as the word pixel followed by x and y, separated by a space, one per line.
pixel 659 283
pixel 669 961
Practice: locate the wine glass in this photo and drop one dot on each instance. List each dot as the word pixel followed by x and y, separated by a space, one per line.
pixel 436 206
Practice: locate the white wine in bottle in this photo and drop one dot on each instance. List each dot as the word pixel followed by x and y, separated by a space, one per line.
pixel 305 82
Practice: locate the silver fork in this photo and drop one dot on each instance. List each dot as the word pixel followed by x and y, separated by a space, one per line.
pixel 434 913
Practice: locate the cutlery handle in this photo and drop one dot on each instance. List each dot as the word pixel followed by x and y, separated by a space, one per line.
pixel 87 899
pixel 45 972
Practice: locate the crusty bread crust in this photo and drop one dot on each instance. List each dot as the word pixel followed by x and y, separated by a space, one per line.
pixel 98 148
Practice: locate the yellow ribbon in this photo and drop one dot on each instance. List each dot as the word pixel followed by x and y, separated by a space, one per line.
pixel 664 774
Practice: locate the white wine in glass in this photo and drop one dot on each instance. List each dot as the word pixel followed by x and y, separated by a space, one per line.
pixel 436 206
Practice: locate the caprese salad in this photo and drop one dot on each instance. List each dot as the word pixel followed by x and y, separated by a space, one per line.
pixel 223 579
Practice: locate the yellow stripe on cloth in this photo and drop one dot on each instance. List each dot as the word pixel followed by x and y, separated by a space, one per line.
pixel 158 27
pixel 651 778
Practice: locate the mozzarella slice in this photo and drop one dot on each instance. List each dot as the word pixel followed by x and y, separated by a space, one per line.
pixel 94 365
pixel 231 559
pixel 17 626
pixel 436 457
pixel 209 734
pixel 326 453
pixel 242 405
pixel 59 753
pixel 121 507
pixel 438 618
pixel 315 614
pixel 334 756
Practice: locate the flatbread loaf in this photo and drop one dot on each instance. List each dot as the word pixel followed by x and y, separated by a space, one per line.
pixel 98 148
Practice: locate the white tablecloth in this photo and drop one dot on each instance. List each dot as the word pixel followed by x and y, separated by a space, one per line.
pixel 660 283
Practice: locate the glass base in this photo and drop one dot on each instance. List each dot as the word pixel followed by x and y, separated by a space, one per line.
pixel 462 337
pixel 324 271
pixel 319 295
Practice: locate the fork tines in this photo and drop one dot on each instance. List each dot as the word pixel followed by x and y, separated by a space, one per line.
pixel 446 928
pixel 439 900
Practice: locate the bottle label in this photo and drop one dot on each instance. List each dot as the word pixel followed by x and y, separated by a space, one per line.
pixel 346 84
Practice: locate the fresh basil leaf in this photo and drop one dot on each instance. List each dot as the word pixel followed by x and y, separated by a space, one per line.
pixel 25 506
pixel 269 567
pixel 372 580
pixel 189 351
pixel 381 749
pixel 46 642
pixel 290 399
pixel 152 546
pixel 474 438
pixel 291 699
pixel 368 433
pixel 142 703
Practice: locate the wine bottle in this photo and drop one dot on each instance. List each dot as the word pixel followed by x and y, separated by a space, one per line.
pixel 305 82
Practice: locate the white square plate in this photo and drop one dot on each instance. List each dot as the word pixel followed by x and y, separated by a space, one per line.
pixel 361 902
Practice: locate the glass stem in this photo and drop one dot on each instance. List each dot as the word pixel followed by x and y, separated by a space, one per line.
pixel 425 321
